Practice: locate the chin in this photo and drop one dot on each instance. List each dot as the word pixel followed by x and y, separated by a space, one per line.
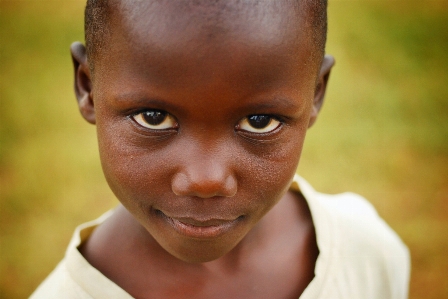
pixel 201 251
pixel 199 259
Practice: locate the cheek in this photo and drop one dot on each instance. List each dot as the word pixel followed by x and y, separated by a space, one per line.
pixel 271 173
pixel 133 172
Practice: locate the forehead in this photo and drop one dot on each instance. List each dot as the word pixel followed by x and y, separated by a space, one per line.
pixel 164 23
pixel 180 36
pixel 177 22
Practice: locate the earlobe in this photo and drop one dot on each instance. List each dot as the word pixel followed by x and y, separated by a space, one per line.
pixel 321 87
pixel 83 83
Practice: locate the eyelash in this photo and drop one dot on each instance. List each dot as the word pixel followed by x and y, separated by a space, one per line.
pixel 269 122
pixel 139 118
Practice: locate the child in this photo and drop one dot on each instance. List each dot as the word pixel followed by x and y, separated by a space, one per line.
pixel 201 110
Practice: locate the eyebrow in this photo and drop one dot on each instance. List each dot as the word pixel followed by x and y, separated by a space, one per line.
pixel 275 102
pixel 138 98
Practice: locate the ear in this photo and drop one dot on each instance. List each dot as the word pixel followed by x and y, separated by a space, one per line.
pixel 83 82
pixel 321 87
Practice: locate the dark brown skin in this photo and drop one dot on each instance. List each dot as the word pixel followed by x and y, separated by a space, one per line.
pixel 237 232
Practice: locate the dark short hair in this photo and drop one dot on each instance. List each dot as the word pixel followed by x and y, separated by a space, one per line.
pixel 96 21
pixel 98 12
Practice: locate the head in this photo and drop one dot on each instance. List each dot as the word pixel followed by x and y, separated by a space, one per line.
pixel 201 110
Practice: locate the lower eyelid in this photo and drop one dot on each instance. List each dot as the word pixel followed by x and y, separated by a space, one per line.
pixel 263 138
pixel 147 133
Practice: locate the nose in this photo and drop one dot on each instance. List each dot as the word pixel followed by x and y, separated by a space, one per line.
pixel 204 176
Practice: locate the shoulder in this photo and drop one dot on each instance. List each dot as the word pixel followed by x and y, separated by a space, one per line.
pixel 359 249
pixel 59 284
pixel 354 221
pixel 366 248
pixel 74 277
pixel 359 227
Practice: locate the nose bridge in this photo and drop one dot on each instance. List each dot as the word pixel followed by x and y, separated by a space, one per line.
pixel 206 171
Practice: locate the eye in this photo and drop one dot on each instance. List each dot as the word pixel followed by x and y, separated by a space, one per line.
pixel 258 123
pixel 155 120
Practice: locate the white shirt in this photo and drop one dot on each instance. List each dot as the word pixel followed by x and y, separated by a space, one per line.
pixel 360 256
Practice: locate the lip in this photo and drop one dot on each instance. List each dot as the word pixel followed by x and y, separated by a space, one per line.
pixel 201 229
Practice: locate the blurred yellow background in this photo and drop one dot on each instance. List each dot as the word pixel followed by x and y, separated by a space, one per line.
pixel 383 133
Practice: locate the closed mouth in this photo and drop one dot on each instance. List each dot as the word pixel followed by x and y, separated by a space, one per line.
pixel 201 229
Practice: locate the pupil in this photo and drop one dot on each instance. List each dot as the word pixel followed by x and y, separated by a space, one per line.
pixel 154 117
pixel 259 121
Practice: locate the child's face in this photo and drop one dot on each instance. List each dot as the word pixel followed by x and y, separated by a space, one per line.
pixel 201 123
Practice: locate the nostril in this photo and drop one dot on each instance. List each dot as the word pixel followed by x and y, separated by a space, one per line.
pixel 204 186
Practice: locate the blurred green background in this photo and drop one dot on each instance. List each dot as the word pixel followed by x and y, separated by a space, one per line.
pixel 383 133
